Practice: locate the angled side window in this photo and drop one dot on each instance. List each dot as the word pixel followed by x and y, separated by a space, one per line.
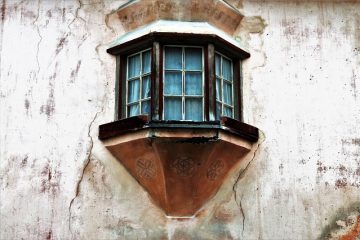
pixel 224 86
pixel 138 83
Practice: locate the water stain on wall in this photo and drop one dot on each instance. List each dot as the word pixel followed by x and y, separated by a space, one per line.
pixel 75 72
pixel 344 225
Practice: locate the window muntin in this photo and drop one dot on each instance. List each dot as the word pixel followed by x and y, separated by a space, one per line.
pixel 183 83
pixel 224 86
pixel 138 83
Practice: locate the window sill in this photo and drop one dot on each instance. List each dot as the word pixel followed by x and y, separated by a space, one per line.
pixel 132 124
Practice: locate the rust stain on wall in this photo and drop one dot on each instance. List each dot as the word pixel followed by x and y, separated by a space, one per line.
pixel 354 233
pixel 345 224
pixel 341 183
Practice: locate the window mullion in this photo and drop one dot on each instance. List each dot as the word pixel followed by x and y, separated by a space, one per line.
pixel 156 77
pixel 210 93
pixel 183 82
pixel 232 88
pixel 140 85
pixel 222 87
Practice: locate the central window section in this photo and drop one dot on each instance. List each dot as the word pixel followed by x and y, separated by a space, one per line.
pixel 183 83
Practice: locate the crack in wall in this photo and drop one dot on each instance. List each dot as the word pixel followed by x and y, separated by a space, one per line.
pixel 38 32
pixel 241 174
pixel 3 12
pixel 77 15
pixel 98 53
pixel 107 17
pixel 86 164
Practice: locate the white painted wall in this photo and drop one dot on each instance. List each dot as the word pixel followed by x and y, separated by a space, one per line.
pixel 301 86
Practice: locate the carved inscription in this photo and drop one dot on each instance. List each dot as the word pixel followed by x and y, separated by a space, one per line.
pixel 183 166
pixel 145 168
pixel 215 169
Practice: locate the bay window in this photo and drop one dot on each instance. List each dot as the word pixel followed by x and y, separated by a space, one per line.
pixel 179 77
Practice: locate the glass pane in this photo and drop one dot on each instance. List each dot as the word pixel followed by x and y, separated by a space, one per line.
pixel 145 87
pixel 133 110
pixel 218 89
pixel 145 107
pixel 173 58
pixel 193 83
pixel 173 83
pixel 172 108
pixel 227 111
pixel 134 66
pixel 218 111
pixel 217 65
pixel 193 59
pixel 193 109
pixel 146 62
pixel 133 90
pixel 227 93
pixel 226 69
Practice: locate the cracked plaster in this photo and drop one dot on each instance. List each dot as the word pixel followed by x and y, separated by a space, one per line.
pixel 58 182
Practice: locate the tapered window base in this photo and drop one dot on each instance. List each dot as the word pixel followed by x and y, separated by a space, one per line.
pixel 180 164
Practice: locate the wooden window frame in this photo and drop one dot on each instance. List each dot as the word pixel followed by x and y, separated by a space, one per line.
pixel 141 79
pixel 183 71
pixel 211 45
pixel 222 80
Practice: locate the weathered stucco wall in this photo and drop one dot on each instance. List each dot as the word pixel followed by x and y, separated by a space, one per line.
pixel 301 88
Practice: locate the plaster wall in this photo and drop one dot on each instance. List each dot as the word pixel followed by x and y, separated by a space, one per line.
pixel 301 89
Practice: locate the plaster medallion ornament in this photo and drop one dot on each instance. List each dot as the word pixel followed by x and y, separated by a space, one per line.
pixel 215 169
pixel 184 166
pixel 145 168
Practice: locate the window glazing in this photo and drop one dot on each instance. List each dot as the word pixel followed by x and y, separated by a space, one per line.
pixel 224 86
pixel 183 83
pixel 138 83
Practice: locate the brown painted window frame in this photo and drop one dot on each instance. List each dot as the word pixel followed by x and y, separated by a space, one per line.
pixel 156 42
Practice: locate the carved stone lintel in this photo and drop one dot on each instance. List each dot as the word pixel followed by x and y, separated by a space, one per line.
pixel 217 12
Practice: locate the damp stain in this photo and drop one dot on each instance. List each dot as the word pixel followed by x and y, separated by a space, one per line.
pixel 75 72
pixel 27 106
pixel 253 24
pixel 3 10
pixel 49 180
pixel 61 44
pixel 49 107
